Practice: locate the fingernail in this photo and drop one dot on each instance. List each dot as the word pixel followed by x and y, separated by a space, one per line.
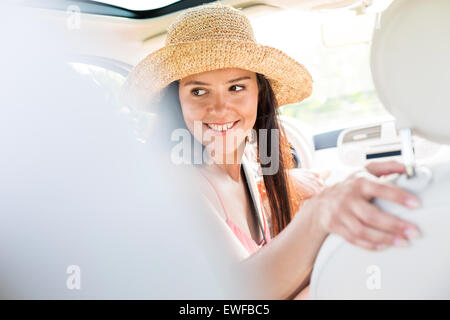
pixel 412 203
pixel 401 243
pixel 412 233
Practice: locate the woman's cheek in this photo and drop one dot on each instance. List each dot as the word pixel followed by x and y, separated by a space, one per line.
pixel 252 114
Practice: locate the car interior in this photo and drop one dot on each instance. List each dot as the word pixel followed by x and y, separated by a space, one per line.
pixel 401 68
pixel 376 96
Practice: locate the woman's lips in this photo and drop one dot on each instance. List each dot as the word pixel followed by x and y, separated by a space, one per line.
pixel 221 128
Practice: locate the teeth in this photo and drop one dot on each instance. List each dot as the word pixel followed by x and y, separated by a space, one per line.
pixel 220 127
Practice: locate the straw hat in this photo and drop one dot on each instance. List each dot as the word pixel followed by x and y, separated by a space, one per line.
pixel 211 37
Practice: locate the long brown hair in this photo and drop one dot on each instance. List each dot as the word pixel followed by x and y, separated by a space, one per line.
pixel 277 186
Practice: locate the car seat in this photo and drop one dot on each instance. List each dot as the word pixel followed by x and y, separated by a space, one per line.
pixel 411 73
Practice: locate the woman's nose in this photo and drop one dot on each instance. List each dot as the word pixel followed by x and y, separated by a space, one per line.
pixel 220 103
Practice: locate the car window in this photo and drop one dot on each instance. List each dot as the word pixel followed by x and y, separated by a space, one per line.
pixel 334 47
pixel 110 82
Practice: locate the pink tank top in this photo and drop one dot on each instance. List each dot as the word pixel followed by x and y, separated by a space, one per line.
pixel 246 241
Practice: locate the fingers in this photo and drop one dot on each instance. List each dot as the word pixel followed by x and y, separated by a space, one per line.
pixel 372 189
pixel 347 233
pixel 363 232
pixel 379 169
pixel 373 217
pixel 346 209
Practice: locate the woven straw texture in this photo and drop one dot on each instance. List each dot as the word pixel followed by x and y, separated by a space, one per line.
pixel 211 37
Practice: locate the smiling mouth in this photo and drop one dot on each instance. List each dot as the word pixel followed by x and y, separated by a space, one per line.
pixel 221 127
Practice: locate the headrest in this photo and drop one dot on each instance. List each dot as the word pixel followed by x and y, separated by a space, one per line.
pixel 410 62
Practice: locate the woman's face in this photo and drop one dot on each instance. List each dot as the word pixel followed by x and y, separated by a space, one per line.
pixel 220 106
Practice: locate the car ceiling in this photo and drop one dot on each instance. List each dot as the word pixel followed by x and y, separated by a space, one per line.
pixel 122 37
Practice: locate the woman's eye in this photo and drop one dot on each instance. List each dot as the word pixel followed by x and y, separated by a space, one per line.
pixel 238 88
pixel 198 92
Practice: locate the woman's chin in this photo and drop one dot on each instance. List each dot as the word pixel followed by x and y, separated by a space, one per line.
pixel 231 156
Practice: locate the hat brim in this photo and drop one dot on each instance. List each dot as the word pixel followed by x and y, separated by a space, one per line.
pixel 290 80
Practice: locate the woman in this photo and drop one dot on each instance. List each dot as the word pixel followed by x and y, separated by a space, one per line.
pixel 223 86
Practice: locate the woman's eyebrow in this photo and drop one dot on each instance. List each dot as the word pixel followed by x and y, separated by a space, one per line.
pixel 207 84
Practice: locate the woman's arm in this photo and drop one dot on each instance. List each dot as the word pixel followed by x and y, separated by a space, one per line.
pixel 280 268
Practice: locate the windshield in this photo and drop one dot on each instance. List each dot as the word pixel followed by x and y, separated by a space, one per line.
pixel 334 47
pixel 139 4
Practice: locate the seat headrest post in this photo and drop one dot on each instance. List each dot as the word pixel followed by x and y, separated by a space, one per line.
pixel 408 152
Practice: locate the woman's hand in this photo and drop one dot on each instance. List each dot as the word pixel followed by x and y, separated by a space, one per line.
pixel 346 209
